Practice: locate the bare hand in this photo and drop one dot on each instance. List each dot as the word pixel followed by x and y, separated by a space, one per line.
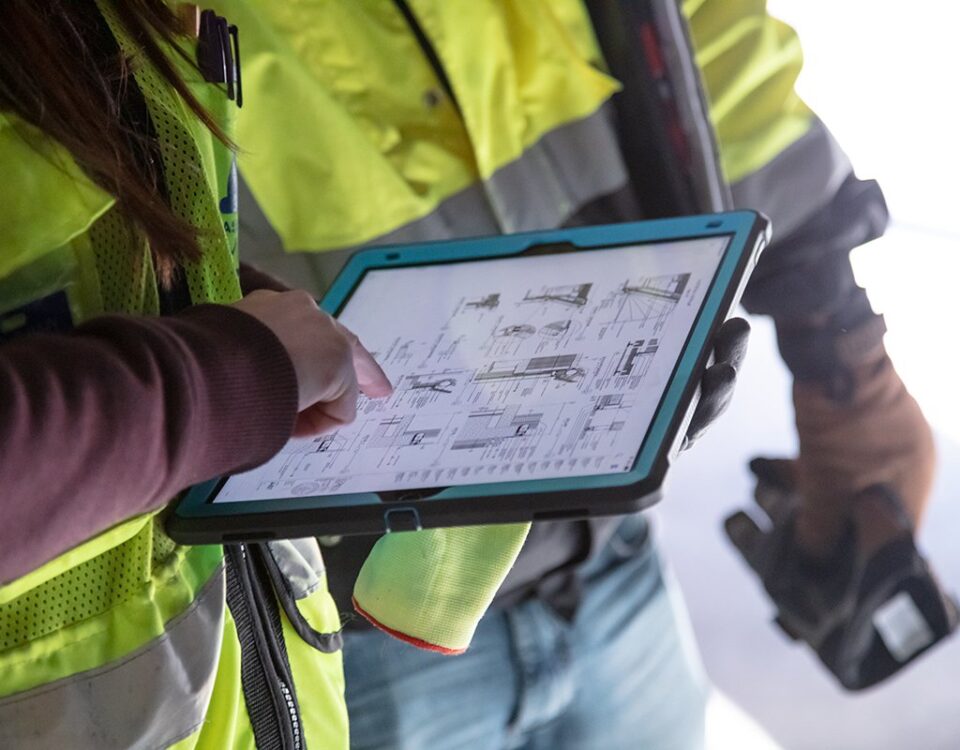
pixel 331 364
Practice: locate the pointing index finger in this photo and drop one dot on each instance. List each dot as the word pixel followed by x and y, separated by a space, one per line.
pixel 371 378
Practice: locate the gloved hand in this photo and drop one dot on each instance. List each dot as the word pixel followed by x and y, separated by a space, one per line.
pixel 868 606
pixel 878 435
pixel 838 549
pixel 716 386
pixel 430 588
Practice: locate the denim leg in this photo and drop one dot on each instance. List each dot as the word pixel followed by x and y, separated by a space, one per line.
pixel 544 660
pixel 404 698
pixel 624 674
pixel 639 681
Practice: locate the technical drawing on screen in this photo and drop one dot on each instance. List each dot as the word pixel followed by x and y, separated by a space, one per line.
pixel 525 367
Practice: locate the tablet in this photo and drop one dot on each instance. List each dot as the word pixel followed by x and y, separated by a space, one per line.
pixel 541 375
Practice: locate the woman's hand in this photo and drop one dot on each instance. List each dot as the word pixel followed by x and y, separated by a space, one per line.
pixel 331 364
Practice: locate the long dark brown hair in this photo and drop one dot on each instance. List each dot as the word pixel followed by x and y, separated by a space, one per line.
pixel 62 71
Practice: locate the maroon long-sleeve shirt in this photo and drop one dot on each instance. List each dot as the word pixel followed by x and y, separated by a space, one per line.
pixel 116 417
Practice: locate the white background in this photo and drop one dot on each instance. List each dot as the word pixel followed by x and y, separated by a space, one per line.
pixel 884 77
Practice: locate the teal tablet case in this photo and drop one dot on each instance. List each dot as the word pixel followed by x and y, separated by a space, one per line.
pixel 749 232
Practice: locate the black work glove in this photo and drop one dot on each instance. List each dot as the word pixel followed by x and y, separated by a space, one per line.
pixel 716 386
pixel 868 608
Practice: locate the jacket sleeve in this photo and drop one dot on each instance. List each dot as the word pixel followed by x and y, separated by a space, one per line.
pixel 252 279
pixel 781 159
pixel 115 418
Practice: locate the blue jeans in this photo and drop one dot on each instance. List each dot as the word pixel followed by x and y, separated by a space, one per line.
pixel 623 674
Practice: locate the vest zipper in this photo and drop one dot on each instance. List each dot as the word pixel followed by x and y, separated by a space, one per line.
pixel 266 677
pixel 429 52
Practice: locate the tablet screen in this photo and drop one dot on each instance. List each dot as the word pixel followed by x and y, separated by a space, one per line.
pixel 529 367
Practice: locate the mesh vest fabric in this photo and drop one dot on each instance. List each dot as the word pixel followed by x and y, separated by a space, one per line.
pixel 131 596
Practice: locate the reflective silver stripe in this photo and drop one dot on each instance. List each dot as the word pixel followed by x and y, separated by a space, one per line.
pixel 569 167
pixel 464 214
pixel 563 171
pixel 300 563
pixel 559 174
pixel 713 193
pixel 151 698
pixel 801 180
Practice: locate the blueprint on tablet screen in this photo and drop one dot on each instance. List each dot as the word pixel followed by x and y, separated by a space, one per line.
pixel 504 369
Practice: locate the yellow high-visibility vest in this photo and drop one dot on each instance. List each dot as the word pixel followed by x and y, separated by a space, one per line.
pixel 125 640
